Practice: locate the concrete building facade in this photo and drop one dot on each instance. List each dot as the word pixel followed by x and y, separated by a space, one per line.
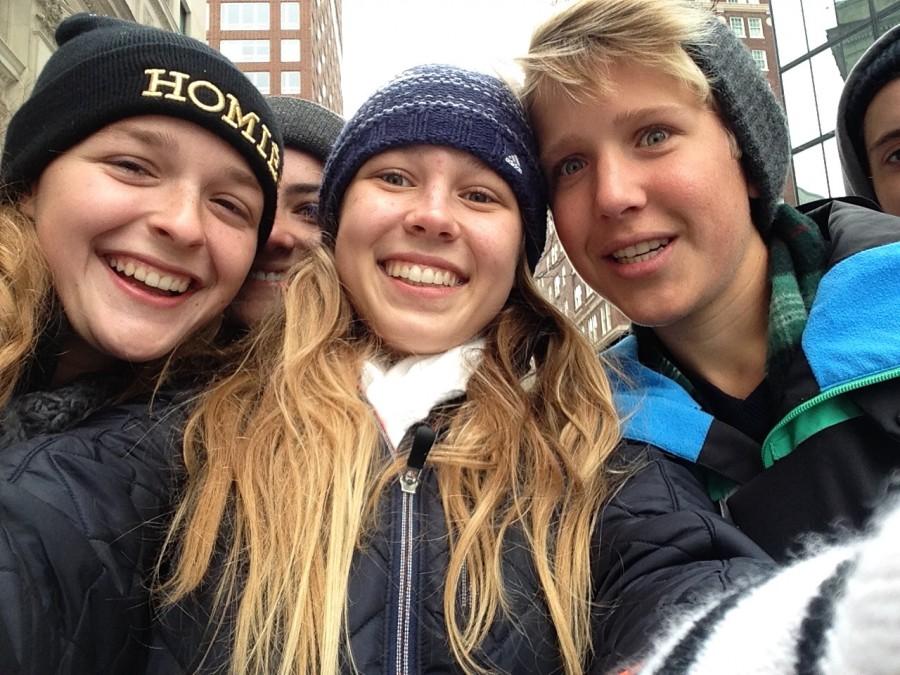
pixel 27 27
pixel 287 47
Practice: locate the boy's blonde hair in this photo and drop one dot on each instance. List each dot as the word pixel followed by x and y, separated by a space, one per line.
pixel 574 50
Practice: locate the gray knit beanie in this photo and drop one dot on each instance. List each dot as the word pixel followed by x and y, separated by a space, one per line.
pixel 879 65
pixel 450 106
pixel 749 108
pixel 306 126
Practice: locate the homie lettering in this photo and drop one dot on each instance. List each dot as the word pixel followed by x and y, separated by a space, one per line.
pixel 209 98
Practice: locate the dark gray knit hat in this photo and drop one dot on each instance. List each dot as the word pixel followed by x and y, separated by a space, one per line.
pixel 749 108
pixel 444 105
pixel 879 65
pixel 306 126
pixel 107 69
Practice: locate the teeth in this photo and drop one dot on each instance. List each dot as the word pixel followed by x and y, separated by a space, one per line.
pixel 262 275
pixel 149 276
pixel 421 274
pixel 644 250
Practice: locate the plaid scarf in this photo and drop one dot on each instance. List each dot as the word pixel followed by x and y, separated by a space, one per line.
pixel 798 254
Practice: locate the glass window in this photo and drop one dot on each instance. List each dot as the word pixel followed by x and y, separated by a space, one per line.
pixel 260 80
pixel 556 286
pixel 245 51
pixel 755 26
pixel 829 20
pixel 244 15
pixel 290 82
pixel 290 15
pixel 828 83
pixel 833 168
pixel 810 174
pixel 803 121
pixel 787 19
pixel 888 21
pixel 578 293
pixel 759 57
pixel 290 51
pixel 737 25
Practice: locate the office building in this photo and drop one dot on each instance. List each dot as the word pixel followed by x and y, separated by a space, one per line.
pixel 818 42
pixel 288 47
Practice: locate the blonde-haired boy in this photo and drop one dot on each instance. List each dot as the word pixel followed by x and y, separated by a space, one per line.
pixel 767 342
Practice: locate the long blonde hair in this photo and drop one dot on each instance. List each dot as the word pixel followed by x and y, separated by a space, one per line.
pixel 25 295
pixel 285 463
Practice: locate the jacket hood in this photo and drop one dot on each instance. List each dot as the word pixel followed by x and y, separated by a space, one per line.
pixel 879 65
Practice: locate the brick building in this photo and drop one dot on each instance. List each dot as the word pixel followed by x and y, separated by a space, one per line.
pixel 289 47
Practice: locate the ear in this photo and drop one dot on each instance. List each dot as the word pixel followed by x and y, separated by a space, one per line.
pixel 26 202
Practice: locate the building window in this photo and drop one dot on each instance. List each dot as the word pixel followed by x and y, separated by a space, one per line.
pixel 260 80
pixel 290 51
pixel 244 15
pixel 605 319
pixel 592 328
pixel 290 15
pixel 578 294
pixel 557 287
pixel 290 82
pixel 245 51
pixel 754 25
pixel 737 26
pixel 759 56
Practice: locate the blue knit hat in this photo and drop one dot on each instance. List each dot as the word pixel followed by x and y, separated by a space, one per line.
pixel 450 106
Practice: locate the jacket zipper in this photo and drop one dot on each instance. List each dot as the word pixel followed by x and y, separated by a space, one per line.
pixel 423 440
pixel 816 400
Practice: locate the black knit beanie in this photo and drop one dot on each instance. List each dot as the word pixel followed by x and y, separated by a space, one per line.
pixel 107 69
pixel 877 67
pixel 306 126
pixel 450 106
pixel 749 108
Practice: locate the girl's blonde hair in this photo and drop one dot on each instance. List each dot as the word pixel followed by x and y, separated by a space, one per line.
pixel 286 465
pixel 573 51
pixel 25 295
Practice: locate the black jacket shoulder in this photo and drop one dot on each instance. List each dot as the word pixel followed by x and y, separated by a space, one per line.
pixel 81 514
pixel 663 547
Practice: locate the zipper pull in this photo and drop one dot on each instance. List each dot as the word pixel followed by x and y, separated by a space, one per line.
pixel 423 440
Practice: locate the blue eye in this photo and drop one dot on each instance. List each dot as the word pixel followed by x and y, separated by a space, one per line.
pixel 569 166
pixel 653 137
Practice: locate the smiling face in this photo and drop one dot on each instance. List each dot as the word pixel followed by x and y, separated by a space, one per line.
pixel 294 231
pixel 648 197
pixel 427 246
pixel 149 228
pixel 881 129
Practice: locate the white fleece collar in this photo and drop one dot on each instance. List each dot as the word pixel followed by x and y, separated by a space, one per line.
pixel 404 393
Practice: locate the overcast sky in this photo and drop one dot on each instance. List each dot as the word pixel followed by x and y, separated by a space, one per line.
pixel 383 37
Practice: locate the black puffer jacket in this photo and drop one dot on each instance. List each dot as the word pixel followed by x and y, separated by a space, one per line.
pixel 80 518
pixel 399 627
